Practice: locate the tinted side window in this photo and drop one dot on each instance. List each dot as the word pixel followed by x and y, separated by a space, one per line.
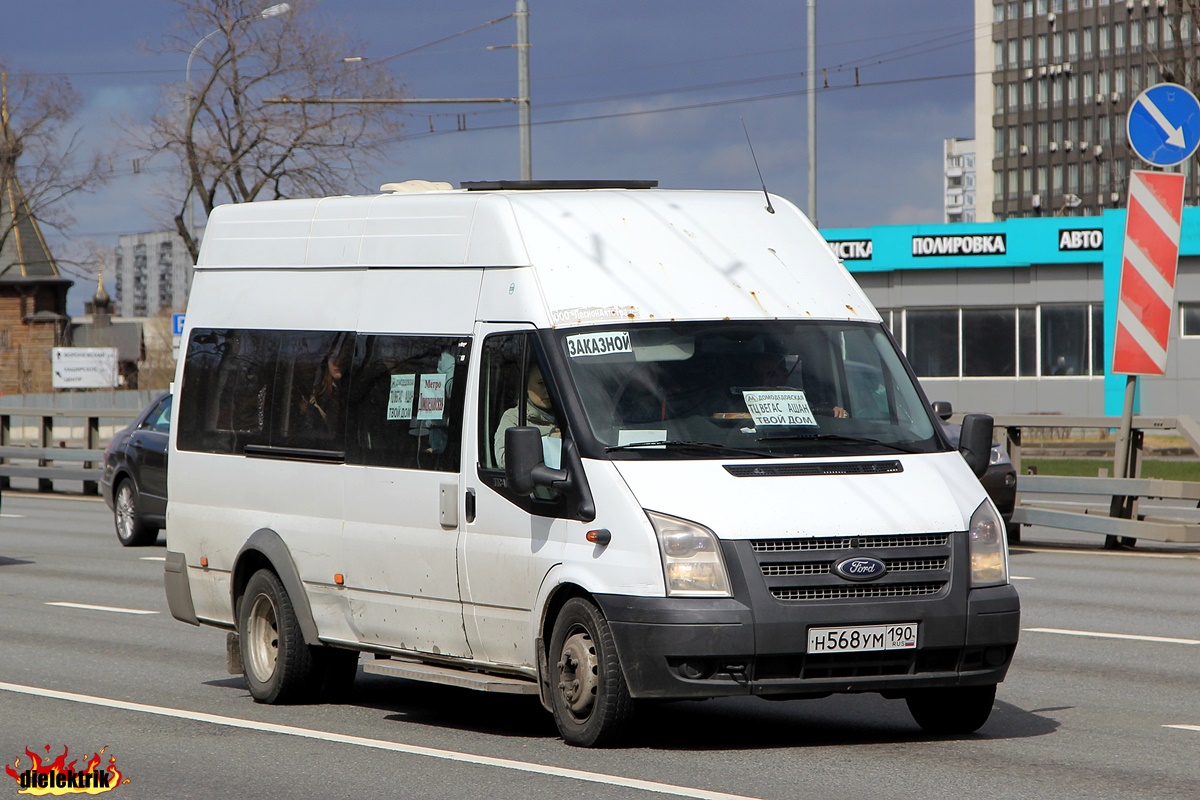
pixel 514 391
pixel 226 397
pixel 406 401
pixel 160 419
pixel 308 400
pixel 501 384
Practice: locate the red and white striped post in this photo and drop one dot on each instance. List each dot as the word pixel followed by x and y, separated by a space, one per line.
pixel 1149 260
pixel 1148 264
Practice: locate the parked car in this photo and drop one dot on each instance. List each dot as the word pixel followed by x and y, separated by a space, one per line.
pixel 1000 480
pixel 134 483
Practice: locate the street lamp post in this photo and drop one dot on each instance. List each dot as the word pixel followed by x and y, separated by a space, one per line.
pixel 812 110
pixel 523 116
pixel 277 10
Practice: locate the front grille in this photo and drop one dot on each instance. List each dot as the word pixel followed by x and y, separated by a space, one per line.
pixel 801 570
pixel 858 591
pixel 825 567
pixel 821 568
pixel 848 542
pixel 857 665
pixel 915 564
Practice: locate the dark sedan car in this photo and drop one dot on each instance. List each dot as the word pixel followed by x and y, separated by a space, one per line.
pixel 134 483
pixel 1000 480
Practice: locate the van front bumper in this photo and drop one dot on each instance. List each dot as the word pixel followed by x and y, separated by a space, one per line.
pixel 675 648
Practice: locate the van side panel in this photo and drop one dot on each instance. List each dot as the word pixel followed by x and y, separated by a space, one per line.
pixel 218 501
pixel 427 301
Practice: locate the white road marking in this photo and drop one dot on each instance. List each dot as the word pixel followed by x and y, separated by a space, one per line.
pixel 1130 636
pixel 378 744
pixel 1195 728
pixel 1019 578
pixel 87 607
pixel 152 558
pixel 13 516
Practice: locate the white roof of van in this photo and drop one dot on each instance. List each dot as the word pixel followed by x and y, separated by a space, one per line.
pixel 662 254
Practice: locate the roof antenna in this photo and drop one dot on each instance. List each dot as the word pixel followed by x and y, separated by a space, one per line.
pixel 770 210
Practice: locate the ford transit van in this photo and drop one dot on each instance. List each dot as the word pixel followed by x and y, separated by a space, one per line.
pixel 593 442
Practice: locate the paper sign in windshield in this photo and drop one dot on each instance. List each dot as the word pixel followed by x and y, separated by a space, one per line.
pixel 400 398
pixel 788 407
pixel 598 344
pixel 431 398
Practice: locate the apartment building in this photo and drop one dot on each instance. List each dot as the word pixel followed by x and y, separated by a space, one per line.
pixel 153 274
pixel 959 180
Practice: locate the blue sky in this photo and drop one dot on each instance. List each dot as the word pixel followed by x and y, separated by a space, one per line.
pixel 620 89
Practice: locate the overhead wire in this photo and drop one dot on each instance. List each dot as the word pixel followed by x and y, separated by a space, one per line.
pixel 930 45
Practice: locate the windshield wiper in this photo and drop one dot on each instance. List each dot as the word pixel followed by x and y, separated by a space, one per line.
pixel 678 443
pixel 825 437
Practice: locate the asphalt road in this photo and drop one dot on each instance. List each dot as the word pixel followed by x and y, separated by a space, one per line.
pixel 1098 704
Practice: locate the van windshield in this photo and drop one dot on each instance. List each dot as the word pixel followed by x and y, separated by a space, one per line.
pixel 746 389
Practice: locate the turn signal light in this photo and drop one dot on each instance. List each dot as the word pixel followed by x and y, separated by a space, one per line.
pixel 600 536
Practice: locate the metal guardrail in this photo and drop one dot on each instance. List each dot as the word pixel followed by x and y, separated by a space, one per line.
pixel 1115 513
pixel 56 463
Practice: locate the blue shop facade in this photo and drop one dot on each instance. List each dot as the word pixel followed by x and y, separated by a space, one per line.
pixel 1017 317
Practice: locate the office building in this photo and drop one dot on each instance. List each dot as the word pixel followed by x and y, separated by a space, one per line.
pixel 1054 83
pixel 1018 316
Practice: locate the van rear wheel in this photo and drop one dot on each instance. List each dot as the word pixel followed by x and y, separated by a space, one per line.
pixel 954 710
pixel 590 700
pixel 278 664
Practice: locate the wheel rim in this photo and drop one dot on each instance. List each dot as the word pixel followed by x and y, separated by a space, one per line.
pixel 125 511
pixel 578 673
pixel 262 638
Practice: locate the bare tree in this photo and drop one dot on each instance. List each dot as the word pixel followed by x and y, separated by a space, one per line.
pixel 233 147
pixel 1183 20
pixel 41 163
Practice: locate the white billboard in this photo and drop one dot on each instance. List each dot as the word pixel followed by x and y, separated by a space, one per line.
pixel 84 367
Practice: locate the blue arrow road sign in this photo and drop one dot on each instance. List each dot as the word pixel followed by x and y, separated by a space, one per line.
pixel 1164 125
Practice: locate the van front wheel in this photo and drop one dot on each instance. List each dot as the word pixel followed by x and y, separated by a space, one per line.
pixel 952 711
pixel 591 701
pixel 278 664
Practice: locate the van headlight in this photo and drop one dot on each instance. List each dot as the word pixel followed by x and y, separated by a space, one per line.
pixel 691 556
pixel 988 547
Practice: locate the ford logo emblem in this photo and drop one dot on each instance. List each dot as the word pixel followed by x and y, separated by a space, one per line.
pixel 860 569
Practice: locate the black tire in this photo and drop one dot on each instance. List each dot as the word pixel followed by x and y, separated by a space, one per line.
pixel 1013 532
pixel 278 665
pixel 590 700
pixel 132 530
pixel 952 711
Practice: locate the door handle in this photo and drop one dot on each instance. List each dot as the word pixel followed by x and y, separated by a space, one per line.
pixel 470 505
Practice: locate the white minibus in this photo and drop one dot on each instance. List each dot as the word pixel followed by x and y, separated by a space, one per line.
pixel 596 442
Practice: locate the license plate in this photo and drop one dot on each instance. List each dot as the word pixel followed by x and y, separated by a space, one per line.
pixel 863 638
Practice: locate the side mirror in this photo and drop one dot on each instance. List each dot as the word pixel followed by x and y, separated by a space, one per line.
pixel 523 465
pixel 524 470
pixel 943 409
pixel 975 442
pixel 522 452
